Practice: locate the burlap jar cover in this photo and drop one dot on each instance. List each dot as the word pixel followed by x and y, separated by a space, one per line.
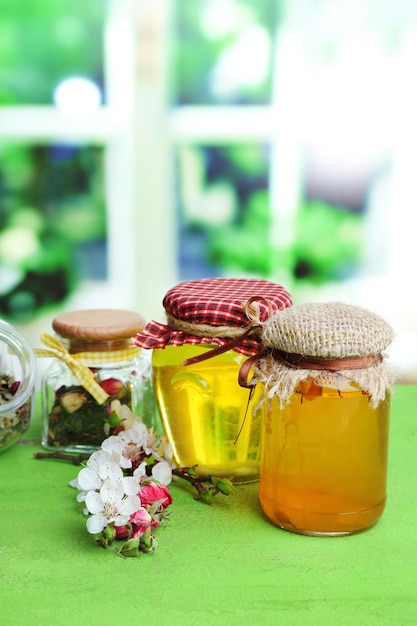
pixel 308 340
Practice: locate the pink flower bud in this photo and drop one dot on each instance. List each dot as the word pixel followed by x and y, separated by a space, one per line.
pixel 113 387
pixel 141 519
pixel 151 492
pixel 122 532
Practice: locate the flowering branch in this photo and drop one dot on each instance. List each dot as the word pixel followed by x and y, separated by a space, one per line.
pixel 124 487
pixel 206 486
pixel 75 459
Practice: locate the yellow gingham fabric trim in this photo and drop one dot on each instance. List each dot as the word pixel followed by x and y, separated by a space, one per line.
pixel 81 372
pixel 104 358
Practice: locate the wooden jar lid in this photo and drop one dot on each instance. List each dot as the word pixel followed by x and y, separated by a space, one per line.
pixel 98 324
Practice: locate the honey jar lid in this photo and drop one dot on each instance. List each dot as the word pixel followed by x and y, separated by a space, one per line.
pixel 328 330
pixel 213 311
pixel 325 340
pixel 219 301
pixel 91 325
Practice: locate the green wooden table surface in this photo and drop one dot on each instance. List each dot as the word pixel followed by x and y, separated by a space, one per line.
pixel 223 564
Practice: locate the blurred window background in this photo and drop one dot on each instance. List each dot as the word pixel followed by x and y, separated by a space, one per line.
pixel 143 143
pixel 52 201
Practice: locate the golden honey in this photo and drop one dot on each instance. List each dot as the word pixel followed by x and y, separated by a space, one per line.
pixel 324 459
pixel 205 414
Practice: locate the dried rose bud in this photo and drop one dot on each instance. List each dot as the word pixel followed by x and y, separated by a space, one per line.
pixel 14 387
pixel 113 387
pixel 72 401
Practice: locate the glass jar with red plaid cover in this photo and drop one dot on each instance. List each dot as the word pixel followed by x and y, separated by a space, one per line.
pixel 212 328
pixel 96 371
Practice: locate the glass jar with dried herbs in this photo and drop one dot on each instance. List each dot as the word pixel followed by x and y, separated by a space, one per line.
pixel 17 385
pixel 96 373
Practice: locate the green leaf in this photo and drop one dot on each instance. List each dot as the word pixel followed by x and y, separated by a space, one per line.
pixel 193 472
pixel 113 419
pixel 205 496
pixel 147 542
pixel 130 548
pixel 224 485
pixel 106 537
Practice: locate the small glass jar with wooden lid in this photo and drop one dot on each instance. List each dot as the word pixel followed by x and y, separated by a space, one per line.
pixel 96 371
pixel 324 446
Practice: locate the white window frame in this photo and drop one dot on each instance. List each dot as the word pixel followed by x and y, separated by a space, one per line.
pixel 139 133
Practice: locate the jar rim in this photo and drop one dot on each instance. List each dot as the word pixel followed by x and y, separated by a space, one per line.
pixel 23 351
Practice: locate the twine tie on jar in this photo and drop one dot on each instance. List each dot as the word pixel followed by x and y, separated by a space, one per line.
pixel 306 362
pixel 238 334
pixel 81 372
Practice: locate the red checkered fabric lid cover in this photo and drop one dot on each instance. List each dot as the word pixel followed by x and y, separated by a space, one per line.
pixel 214 302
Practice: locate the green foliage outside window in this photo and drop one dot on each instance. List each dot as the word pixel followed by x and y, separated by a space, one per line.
pixel 44 41
pixel 226 222
pixel 211 36
pixel 52 209
pixel 51 212
pixel 51 196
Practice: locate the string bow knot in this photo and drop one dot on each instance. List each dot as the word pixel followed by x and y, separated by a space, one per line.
pixel 82 372
pixel 252 312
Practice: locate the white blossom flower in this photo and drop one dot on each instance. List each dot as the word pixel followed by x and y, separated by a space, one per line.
pixel 157 446
pixel 101 456
pixel 162 472
pixel 109 470
pixel 81 495
pixel 168 454
pixel 115 475
pixel 132 483
pixel 124 413
pixel 108 505
pixel 74 483
pixel 109 451
pixel 140 472
pixel 99 468
pixel 128 444
pixel 88 479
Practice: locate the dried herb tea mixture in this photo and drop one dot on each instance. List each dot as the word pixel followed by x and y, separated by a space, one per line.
pixel 15 422
pixel 76 418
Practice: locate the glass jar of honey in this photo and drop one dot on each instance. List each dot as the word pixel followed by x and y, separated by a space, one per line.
pixel 210 421
pixel 324 446
pixel 95 373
